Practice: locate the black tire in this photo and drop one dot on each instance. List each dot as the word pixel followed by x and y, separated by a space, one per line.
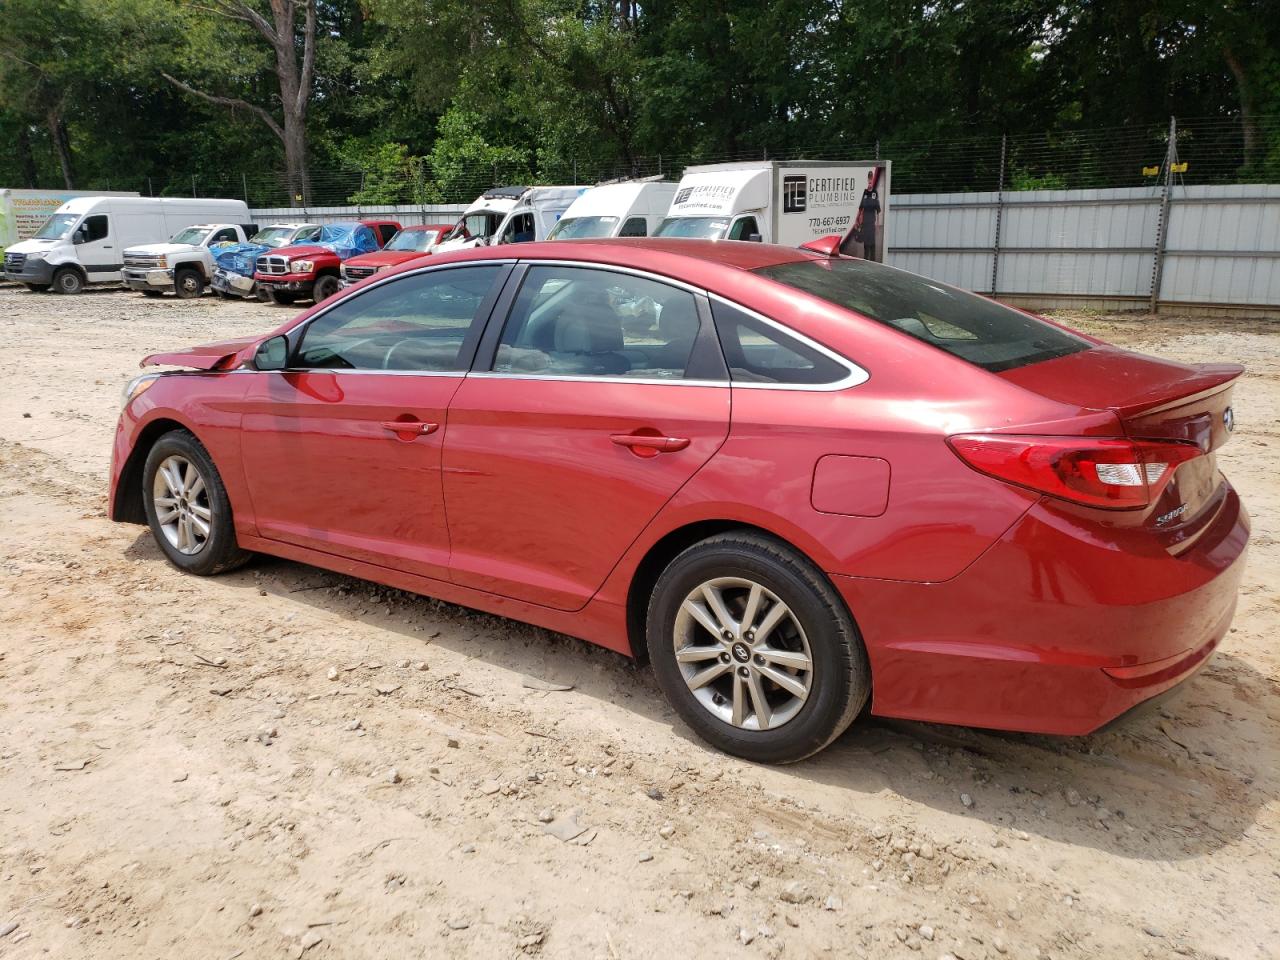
pixel 219 552
pixel 325 287
pixel 36 287
pixel 840 677
pixel 151 293
pixel 68 280
pixel 282 297
pixel 188 284
pixel 262 293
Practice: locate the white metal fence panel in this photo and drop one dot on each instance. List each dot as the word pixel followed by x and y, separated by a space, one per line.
pixel 1221 243
pixel 406 214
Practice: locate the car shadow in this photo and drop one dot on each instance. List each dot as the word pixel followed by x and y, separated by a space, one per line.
pixel 1172 780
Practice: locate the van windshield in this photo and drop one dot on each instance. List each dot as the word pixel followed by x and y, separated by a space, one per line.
pixel 700 228
pixel 57 226
pixel 483 224
pixel 582 228
pixel 981 331
pixel 191 235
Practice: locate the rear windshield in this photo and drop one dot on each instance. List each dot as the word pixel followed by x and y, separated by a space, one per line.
pixel 970 327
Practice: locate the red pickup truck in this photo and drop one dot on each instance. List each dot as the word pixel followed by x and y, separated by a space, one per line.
pixel 312 271
pixel 410 243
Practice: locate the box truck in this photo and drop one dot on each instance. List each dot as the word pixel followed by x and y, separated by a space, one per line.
pixel 509 215
pixel 84 241
pixel 791 202
pixel 632 208
pixel 23 212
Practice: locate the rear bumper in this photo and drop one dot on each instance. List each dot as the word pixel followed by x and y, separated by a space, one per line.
pixel 1050 631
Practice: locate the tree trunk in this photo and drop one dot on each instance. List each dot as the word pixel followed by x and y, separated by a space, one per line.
pixel 1248 122
pixel 26 159
pixel 62 145
pixel 295 160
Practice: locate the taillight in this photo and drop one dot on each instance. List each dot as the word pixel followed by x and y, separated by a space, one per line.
pixel 1114 474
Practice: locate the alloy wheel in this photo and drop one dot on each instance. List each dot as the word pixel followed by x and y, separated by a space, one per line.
pixel 181 500
pixel 743 653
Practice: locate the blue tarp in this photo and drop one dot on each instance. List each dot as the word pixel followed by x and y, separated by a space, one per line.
pixel 239 257
pixel 348 239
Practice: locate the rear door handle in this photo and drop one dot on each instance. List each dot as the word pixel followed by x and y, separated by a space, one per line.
pixel 416 427
pixel 648 446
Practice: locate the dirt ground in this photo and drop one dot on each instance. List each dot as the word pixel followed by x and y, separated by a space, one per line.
pixel 181 778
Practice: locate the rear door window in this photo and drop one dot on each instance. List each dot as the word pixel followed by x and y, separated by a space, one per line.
pixel 758 352
pixel 983 332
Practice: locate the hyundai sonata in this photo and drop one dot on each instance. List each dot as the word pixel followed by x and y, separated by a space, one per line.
pixel 799 485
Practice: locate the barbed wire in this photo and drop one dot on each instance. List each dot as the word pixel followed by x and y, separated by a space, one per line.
pixel 1209 150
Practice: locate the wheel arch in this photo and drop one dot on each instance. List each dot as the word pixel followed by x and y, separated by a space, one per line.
pixel 128 507
pixel 670 545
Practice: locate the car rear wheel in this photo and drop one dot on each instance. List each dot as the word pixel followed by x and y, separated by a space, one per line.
pixel 325 287
pixel 188 284
pixel 68 280
pixel 187 506
pixel 755 649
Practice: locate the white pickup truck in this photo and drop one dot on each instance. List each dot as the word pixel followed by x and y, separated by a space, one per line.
pixel 184 264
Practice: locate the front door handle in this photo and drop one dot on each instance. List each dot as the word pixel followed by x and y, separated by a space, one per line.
pixel 649 446
pixel 408 429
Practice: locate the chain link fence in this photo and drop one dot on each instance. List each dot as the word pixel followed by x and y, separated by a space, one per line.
pixel 1210 150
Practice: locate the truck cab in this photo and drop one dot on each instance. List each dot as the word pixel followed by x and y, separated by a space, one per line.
pixel 312 271
pixel 510 215
pixel 633 208
pixel 727 202
pixel 185 264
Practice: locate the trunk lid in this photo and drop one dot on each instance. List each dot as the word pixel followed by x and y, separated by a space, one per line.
pixel 1153 399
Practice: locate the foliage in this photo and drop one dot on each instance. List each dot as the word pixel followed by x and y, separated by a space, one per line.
pixel 448 95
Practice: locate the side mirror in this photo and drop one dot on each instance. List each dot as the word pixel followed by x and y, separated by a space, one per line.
pixel 754 238
pixel 80 235
pixel 271 354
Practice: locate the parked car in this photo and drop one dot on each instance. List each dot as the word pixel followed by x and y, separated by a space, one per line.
pixel 234 266
pixel 633 208
pixel 83 242
pixel 410 243
pixel 805 484
pixel 311 271
pixel 509 215
pixel 184 264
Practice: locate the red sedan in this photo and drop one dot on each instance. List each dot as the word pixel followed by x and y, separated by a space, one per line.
pixel 797 484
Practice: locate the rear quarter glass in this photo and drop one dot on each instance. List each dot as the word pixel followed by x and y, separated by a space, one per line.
pixel 979 331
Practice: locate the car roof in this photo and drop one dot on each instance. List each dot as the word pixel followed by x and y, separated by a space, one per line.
pixel 643 253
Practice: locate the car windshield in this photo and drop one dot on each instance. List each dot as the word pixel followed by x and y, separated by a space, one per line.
pixel 416 240
pixel 274 236
pixel 191 235
pixel 57 226
pixel 582 228
pixel 699 228
pixel 981 331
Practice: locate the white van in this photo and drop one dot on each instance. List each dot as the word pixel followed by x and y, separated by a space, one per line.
pixel 84 241
pixel 509 215
pixel 791 202
pixel 633 208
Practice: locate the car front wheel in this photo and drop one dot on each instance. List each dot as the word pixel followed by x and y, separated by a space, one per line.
pixel 755 649
pixel 187 506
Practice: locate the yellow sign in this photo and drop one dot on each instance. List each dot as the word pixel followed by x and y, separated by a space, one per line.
pixel 1180 167
pixel 1151 171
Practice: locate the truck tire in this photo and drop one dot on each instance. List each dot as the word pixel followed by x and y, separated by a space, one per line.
pixel 282 297
pixel 188 284
pixel 36 287
pixel 68 280
pixel 325 287
pixel 261 293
